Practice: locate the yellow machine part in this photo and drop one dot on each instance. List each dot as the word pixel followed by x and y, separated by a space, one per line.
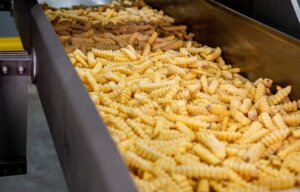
pixel 10 44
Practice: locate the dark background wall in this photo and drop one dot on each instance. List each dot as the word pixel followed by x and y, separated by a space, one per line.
pixel 278 14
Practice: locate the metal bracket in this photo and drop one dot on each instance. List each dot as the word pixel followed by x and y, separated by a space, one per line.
pixel 14 67
pixel 18 63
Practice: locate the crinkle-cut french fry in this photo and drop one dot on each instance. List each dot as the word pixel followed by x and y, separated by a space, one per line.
pixel 151 185
pixel 152 38
pixel 214 55
pixel 280 95
pixel 245 106
pixel 148 152
pixel 255 136
pixel 296 132
pixel 185 130
pixel 187 159
pixel 213 144
pixel 275 136
pixel 254 152
pixel 91 59
pixel 109 75
pixel 125 96
pixel 172 69
pixel 81 40
pixel 267 121
pixel 104 40
pixel 224 135
pixel 94 97
pixel 231 89
pixel 166 163
pixel 128 53
pixel 291 162
pixel 252 114
pixel 203 171
pixel 227 74
pixel 169 135
pixel 272 149
pixel 283 181
pixel 213 86
pixel 245 169
pixel 92 82
pixel 217 109
pixel 158 90
pixel 292 119
pixel 154 86
pixel 104 54
pixel 185 62
pixel 240 117
pixel 183 182
pixel 87 34
pixel 80 57
pixel 203 186
pixel 205 155
pixel 175 28
pixel 291 106
pixel 238 83
pixel 204 83
pixel 289 149
pixel 263 104
pixel 278 121
pixel 173 45
pixel 197 109
pixel 97 68
pixel 260 91
pixel 120 124
pixel 135 161
pixel 133 38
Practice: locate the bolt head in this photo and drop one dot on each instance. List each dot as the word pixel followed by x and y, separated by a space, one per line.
pixel 21 69
pixel 4 69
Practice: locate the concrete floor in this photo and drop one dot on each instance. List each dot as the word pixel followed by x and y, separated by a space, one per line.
pixel 44 171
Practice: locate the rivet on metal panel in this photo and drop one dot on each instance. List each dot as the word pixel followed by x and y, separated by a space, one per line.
pixel 34 67
pixel 4 69
pixel 12 7
pixel 21 69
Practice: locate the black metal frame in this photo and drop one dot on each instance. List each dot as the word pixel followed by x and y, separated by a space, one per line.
pixel 88 155
pixel 15 63
pixel 14 69
pixel 13 166
pixel 5 5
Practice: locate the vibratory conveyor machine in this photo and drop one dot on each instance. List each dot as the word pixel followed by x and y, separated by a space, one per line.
pixel 88 155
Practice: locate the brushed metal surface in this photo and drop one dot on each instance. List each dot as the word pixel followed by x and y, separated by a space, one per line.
pixel 88 155
pixel 13 125
pixel 13 116
pixel 259 50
